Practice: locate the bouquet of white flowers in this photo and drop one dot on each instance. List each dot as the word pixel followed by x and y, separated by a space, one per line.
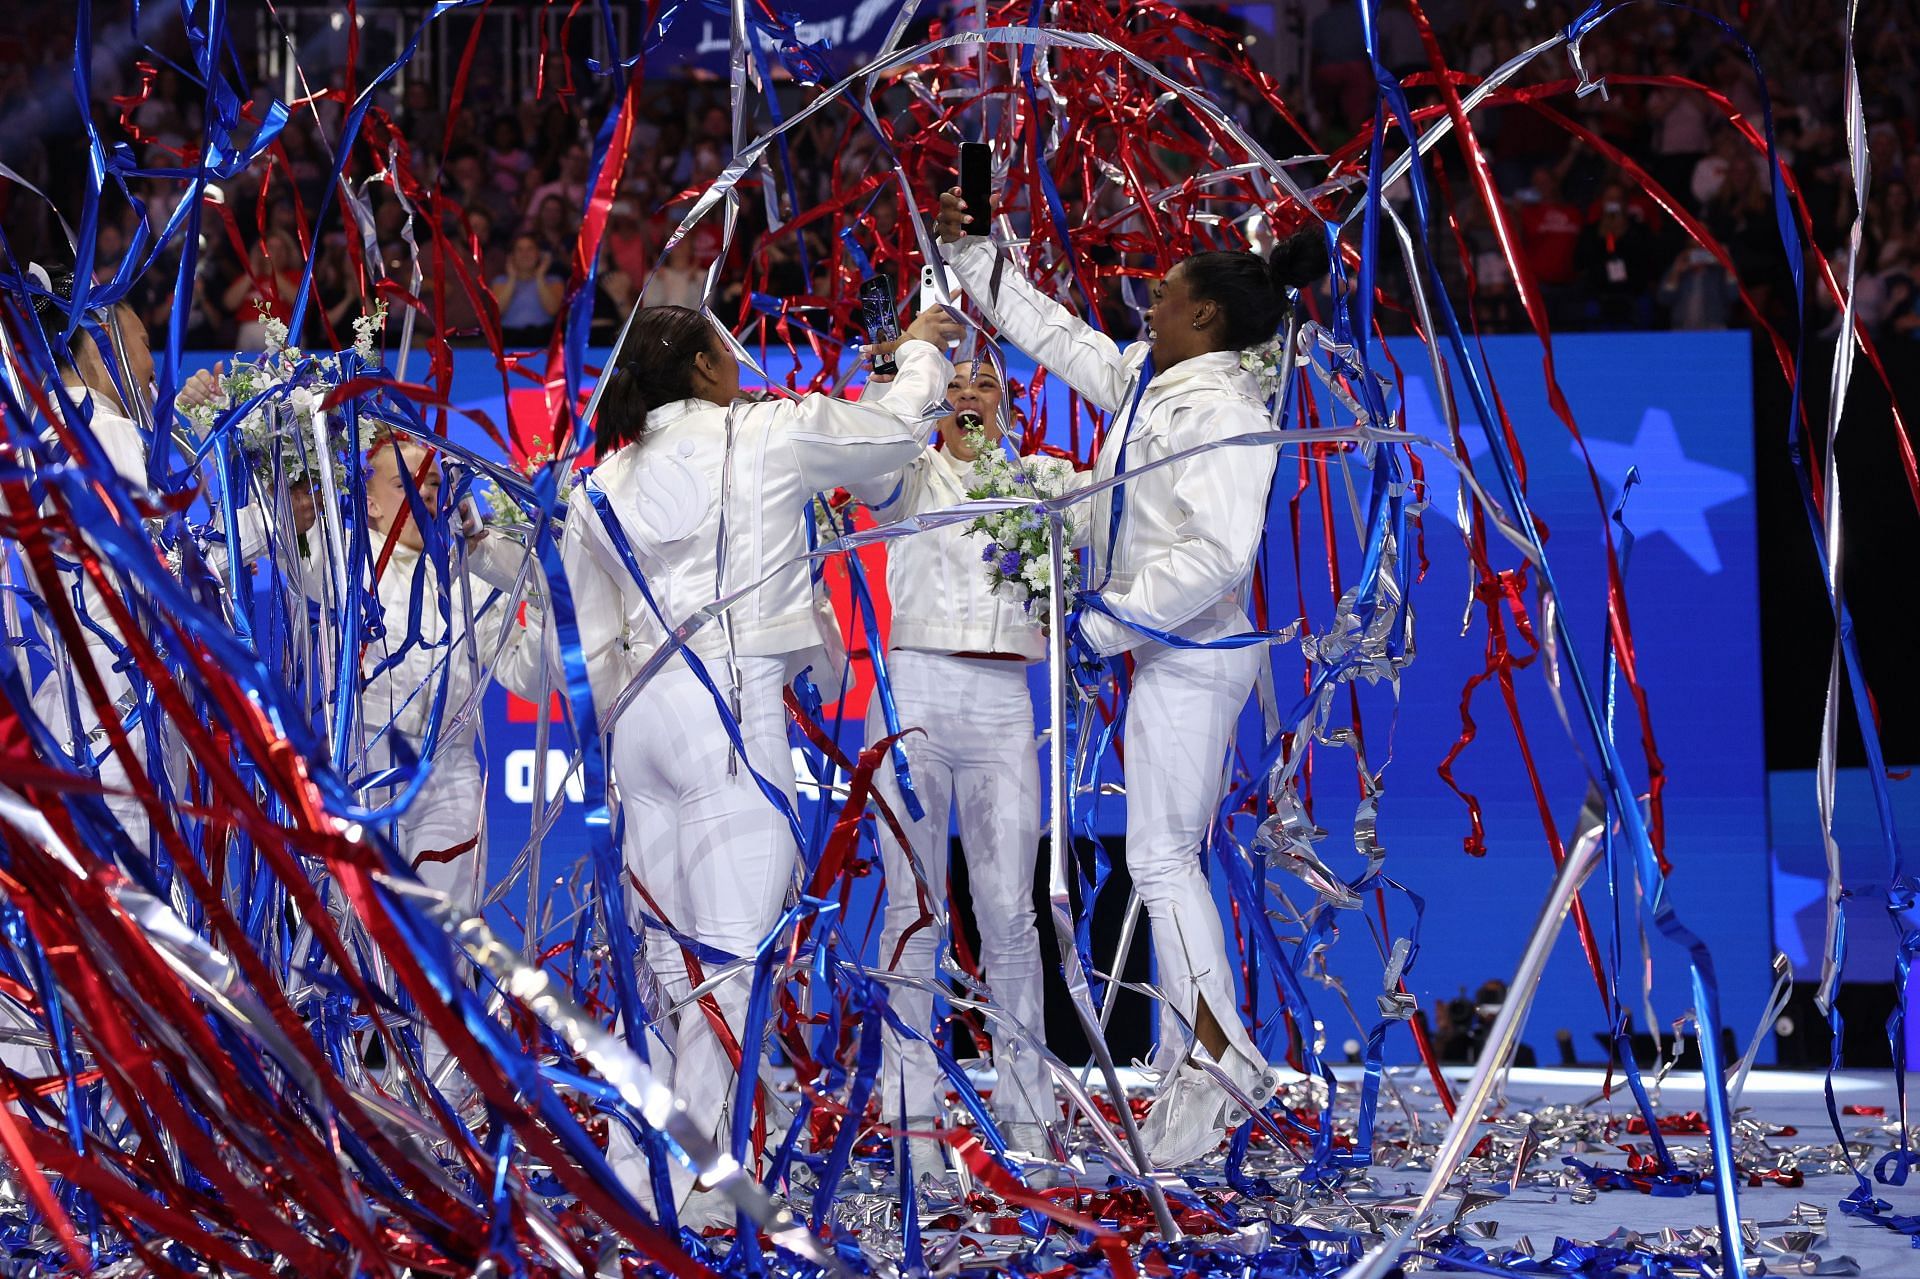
pixel 504 511
pixel 1268 364
pixel 276 434
pixel 1016 553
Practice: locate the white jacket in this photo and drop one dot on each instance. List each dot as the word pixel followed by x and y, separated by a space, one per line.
pixel 704 475
pixel 942 597
pixel 1189 532
pixel 401 676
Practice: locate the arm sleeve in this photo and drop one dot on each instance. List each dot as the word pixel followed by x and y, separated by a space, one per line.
pixel 893 494
pixel 496 560
pixel 896 493
pixel 1055 337
pixel 1064 480
pixel 518 667
pixel 259 538
pixel 1220 503
pixel 839 443
pixel 599 603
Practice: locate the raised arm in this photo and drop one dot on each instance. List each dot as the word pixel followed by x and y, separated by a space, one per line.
pixel 1070 348
pixel 839 443
pixel 1220 500
pixel 895 493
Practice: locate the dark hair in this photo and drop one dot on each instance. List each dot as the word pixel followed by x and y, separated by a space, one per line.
pixel 1251 291
pixel 655 367
pixel 51 309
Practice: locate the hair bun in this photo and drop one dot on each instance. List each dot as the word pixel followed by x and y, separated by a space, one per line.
pixel 1299 260
pixel 57 280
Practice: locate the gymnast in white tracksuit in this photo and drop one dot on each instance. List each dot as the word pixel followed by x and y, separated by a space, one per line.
pixel 957 659
pixel 442 832
pixel 112 396
pixel 710 494
pixel 1179 564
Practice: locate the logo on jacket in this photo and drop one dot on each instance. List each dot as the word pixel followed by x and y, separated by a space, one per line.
pixel 671 497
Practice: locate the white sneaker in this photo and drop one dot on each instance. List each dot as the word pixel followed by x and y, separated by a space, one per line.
pixel 1185 1122
pixel 1027 1139
pixel 1194 1114
pixel 925 1156
pixel 707 1208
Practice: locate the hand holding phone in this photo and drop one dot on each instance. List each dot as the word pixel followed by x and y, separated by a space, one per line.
pixel 468 515
pixel 882 319
pixel 976 186
pixel 937 327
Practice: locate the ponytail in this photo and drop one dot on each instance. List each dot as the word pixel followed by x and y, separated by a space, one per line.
pixel 654 366
pixel 1252 293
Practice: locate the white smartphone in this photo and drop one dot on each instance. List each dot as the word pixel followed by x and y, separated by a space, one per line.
pixel 929 288
pixel 468 512
pixel 930 294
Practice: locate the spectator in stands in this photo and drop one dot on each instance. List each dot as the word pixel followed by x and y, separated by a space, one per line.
pixel 1682 124
pixel 1697 291
pixel 1740 215
pixel 422 122
pixel 528 293
pixel 552 129
pixel 716 126
pixel 1550 229
pixel 1495 44
pixel 678 282
pixel 1342 75
pixel 467 185
pixel 624 255
pixel 485 235
pixel 532 149
pixel 1902 310
pixel 1729 149
pixel 337 285
pixel 569 184
pixel 1892 220
pixel 554 225
pixel 266 291
pixel 507 156
pixel 109 247
pixel 1616 265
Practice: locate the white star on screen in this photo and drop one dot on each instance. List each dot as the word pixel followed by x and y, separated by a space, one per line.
pixel 1672 499
pixel 1675 491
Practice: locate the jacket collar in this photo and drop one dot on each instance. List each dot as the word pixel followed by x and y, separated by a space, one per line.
pixel 402 561
pixel 668 414
pixel 1223 366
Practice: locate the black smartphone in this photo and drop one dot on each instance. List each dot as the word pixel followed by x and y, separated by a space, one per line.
pixel 881 316
pixel 976 186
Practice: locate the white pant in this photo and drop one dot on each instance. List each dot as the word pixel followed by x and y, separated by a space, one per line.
pixel 448 810
pixel 1180 721
pixel 712 852
pixel 50 704
pixel 976 753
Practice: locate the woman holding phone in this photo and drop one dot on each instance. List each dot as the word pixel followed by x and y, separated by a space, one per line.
pixel 1172 553
pixel 698 494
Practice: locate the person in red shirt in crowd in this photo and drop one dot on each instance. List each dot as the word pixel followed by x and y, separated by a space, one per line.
pixel 1550 227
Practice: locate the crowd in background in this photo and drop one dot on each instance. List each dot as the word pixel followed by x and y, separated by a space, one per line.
pixel 511 175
